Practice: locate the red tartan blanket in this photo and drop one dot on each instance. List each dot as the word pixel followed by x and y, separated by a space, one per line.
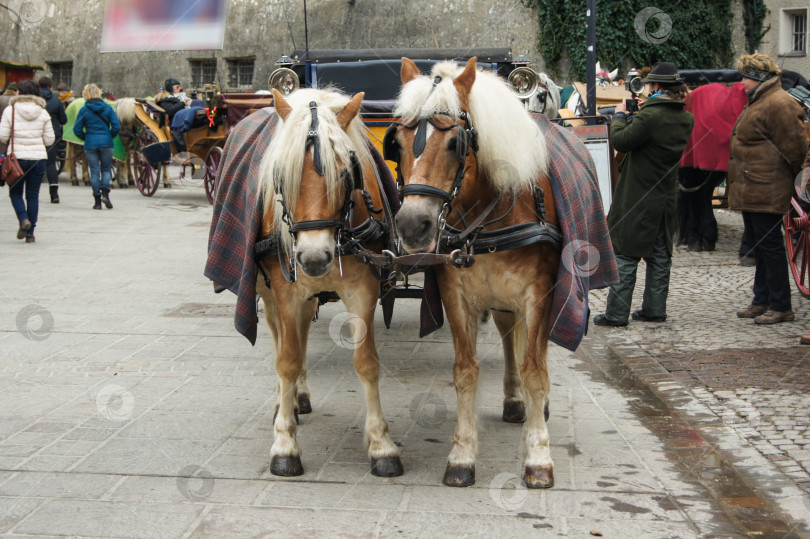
pixel 237 218
pixel 587 260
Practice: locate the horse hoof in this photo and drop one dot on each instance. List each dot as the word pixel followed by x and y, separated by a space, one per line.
pixel 514 412
pixel 304 406
pixel 539 476
pixel 122 186
pixel 459 476
pixel 546 414
pixel 386 467
pixel 167 186
pixel 286 466
pixel 74 182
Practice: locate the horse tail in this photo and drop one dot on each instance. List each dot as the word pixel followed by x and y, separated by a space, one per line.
pixel 125 109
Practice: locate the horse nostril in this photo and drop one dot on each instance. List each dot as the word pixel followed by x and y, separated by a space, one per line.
pixel 298 258
pixel 425 227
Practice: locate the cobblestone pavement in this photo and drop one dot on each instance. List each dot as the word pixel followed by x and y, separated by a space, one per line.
pixel 755 378
pixel 130 407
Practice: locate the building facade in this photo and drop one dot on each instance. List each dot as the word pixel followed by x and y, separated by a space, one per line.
pixel 65 36
pixel 786 40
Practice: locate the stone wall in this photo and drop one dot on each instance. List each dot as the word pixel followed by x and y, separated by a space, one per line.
pixel 66 30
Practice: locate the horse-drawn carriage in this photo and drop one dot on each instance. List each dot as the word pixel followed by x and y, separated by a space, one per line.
pixel 499 208
pixel 153 145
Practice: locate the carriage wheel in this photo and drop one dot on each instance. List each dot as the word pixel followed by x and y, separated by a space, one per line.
pixel 212 160
pixel 147 177
pixel 797 238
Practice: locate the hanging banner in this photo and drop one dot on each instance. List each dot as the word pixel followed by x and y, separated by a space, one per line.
pixel 154 25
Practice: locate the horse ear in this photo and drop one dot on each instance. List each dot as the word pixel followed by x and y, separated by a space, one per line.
pixel 464 82
pixel 350 111
pixel 282 107
pixel 409 71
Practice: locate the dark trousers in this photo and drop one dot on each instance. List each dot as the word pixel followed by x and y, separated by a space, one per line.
pixel 656 285
pixel 747 241
pixel 27 206
pixel 696 221
pixel 51 167
pixel 771 279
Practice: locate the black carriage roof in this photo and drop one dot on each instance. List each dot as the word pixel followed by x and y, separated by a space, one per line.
pixel 703 76
pixel 497 54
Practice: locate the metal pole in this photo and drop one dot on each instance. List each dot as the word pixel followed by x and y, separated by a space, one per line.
pixel 306 31
pixel 590 58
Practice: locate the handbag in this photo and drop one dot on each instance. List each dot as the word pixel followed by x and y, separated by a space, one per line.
pixel 11 171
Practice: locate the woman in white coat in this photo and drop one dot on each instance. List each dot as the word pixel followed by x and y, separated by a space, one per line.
pixel 32 133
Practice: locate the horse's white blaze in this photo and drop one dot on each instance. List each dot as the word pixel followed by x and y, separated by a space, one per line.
pixel 428 132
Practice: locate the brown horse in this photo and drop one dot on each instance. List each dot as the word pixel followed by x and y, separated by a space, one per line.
pixel 468 150
pixel 309 177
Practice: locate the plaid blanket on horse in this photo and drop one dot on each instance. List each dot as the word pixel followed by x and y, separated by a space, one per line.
pixel 237 218
pixel 587 260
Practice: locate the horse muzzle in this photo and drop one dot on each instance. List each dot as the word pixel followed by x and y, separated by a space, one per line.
pixel 417 227
pixel 315 253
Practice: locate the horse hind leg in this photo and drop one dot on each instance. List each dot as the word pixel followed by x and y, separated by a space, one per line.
pixel 382 451
pixel 514 408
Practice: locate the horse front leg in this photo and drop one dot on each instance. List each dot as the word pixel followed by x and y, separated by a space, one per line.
pixel 514 408
pixel 360 303
pixel 288 316
pixel 460 470
pixel 538 466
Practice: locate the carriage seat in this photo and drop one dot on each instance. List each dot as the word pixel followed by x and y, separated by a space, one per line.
pixel 154 111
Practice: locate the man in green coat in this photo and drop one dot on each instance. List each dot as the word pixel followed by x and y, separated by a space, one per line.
pixel 642 214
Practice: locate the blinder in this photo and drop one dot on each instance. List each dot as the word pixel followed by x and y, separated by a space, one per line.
pixel 390 145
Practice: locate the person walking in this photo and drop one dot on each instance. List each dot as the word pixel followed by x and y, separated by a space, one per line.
pixel 58 118
pixel 768 145
pixel 642 214
pixel 97 125
pixel 27 121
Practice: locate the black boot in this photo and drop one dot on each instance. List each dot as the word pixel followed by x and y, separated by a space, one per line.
pixel 105 198
pixel 54 194
pixel 97 205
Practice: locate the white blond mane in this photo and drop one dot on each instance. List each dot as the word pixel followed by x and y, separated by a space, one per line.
pixel 512 150
pixel 125 110
pixel 283 162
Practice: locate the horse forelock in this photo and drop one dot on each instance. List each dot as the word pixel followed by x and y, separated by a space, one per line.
pixel 283 163
pixel 512 151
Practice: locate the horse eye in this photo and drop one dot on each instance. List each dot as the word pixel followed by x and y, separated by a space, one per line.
pixel 452 144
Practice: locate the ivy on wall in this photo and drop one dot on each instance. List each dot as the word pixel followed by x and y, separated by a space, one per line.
pixel 635 33
pixel 754 13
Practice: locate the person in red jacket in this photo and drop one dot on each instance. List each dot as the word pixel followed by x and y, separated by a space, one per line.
pixel 716 108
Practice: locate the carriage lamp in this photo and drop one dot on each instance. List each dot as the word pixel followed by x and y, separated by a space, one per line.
pixel 524 81
pixel 283 78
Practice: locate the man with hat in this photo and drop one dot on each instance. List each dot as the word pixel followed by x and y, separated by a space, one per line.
pixel 642 213
pixel 768 145
pixel 9 92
